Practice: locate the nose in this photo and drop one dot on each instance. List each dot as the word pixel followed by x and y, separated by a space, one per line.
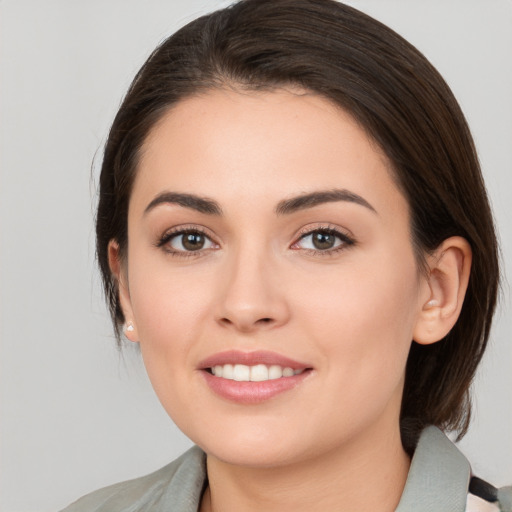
pixel 253 294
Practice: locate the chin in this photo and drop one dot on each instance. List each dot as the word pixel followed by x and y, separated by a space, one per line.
pixel 252 456
pixel 254 447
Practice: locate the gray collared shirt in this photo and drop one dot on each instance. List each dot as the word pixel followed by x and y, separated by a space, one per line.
pixel 438 481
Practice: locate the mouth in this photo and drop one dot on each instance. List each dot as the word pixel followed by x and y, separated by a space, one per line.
pixel 256 373
pixel 252 377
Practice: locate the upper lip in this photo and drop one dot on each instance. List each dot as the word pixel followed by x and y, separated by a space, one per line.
pixel 251 359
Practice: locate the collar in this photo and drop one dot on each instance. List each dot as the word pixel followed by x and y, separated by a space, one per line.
pixel 438 478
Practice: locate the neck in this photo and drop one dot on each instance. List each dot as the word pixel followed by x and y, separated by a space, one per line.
pixel 368 474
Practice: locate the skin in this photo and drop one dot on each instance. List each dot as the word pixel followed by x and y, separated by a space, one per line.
pixel 259 284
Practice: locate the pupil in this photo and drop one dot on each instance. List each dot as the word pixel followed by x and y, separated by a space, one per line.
pixel 323 240
pixel 193 241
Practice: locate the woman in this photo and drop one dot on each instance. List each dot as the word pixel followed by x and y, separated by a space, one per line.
pixel 293 226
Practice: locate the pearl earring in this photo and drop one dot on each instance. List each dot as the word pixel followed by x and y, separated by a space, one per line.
pixel 129 327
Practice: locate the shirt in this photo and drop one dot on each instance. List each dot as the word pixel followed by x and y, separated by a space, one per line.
pixel 438 481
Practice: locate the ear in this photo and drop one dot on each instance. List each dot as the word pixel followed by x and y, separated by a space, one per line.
pixel 448 277
pixel 119 272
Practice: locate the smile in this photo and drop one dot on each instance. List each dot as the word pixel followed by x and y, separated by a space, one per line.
pixel 257 373
pixel 252 377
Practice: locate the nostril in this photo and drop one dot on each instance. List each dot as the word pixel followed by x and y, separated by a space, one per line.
pixel 247 324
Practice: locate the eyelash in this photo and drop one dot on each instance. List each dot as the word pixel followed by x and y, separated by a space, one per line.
pixel 346 241
pixel 174 233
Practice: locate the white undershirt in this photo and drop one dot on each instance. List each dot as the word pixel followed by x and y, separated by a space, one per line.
pixel 476 504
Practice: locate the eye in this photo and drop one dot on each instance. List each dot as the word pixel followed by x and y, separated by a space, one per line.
pixel 186 241
pixel 323 240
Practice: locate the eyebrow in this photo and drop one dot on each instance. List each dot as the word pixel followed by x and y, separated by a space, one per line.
pixel 200 204
pixel 312 199
pixel 285 207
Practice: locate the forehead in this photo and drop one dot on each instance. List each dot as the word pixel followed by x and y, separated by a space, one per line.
pixel 252 146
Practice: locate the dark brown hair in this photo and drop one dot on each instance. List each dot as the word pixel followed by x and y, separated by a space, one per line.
pixel 398 98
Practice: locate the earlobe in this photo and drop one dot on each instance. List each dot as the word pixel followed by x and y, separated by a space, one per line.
pixel 129 331
pixel 448 277
pixel 119 273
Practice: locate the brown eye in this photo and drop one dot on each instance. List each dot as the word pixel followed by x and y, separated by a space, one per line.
pixel 193 241
pixel 187 241
pixel 323 240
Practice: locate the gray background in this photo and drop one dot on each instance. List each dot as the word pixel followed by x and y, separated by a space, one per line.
pixel 75 415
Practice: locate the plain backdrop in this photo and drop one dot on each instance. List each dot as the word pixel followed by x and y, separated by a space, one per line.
pixel 75 414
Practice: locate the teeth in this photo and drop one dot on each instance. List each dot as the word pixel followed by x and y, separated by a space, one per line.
pixel 287 372
pixel 257 373
pixel 227 371
pixel 275 372
pixel 241 372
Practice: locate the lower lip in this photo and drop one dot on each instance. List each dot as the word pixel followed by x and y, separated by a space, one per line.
pixel 252 392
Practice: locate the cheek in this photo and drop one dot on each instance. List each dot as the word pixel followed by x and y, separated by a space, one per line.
pixel 166 303
pixel 362 319
pixel 169 310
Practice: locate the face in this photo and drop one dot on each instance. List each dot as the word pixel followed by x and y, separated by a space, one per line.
pixel 270 276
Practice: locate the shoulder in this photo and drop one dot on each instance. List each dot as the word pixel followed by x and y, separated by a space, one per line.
pixel 176 487
pixel 440 478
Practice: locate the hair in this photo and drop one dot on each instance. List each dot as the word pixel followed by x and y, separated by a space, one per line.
pixel 399 99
